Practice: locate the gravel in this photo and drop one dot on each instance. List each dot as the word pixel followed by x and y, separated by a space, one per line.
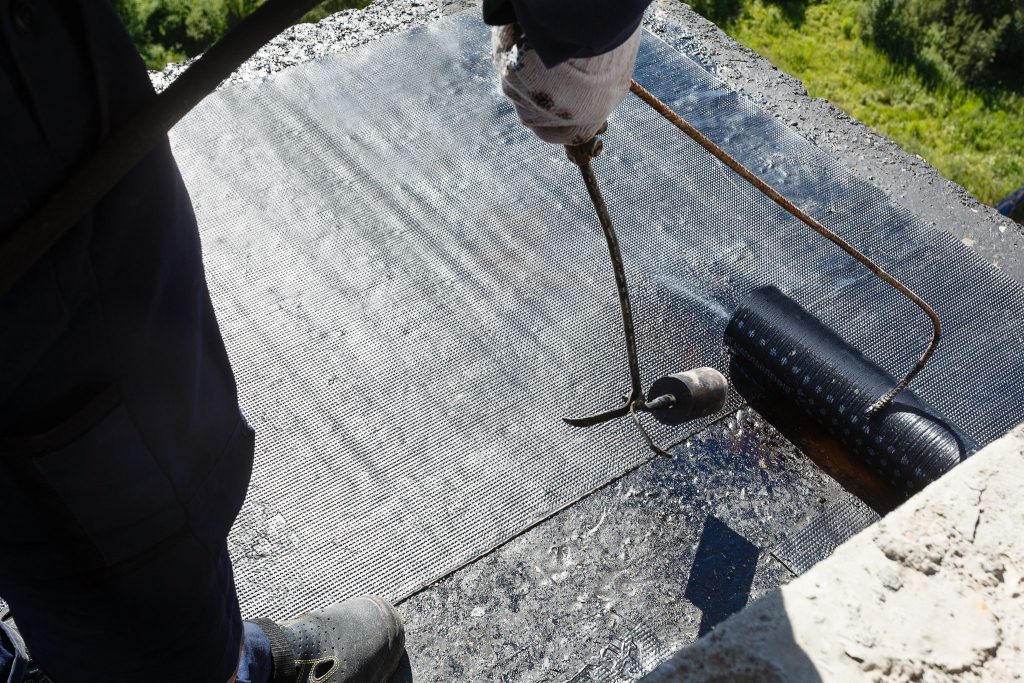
pixel 332 35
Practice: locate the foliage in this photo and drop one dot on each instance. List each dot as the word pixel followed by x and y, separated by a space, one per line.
pixel 718 11
pixel 174 30
pixel 979 42
pixel 975 139
pixel 331 6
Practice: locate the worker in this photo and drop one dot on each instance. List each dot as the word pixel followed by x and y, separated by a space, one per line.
pixel 124 457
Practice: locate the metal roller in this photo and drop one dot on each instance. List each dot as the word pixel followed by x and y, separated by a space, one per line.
pixel 692 395
pixel 774 341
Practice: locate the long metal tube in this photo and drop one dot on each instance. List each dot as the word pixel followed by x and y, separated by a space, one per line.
pixel 615 252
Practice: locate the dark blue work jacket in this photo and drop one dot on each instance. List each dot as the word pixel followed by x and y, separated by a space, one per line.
pixel 563 29
pixel 119 423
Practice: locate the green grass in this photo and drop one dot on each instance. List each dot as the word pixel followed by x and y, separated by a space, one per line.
pixel 975 139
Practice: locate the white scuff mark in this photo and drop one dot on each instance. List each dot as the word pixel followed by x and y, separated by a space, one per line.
pixel 677 286
pixel 600 521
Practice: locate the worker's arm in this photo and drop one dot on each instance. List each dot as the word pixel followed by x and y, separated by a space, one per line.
pixel 565 64
pixel 563 29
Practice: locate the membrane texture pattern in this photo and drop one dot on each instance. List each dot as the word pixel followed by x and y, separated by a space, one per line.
pixel 778 343
pixel 818 538
pixel 413 290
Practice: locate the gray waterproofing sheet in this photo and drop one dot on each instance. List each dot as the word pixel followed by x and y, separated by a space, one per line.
pixel 413 289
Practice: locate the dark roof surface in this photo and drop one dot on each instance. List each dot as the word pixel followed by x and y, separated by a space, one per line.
pixel 602 588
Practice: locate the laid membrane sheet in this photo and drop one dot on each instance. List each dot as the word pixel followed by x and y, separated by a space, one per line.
pixel 413 290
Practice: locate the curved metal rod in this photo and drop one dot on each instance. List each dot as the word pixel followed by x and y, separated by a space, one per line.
pixel 604 416
pixel 772 194
pixel 651 443
pixel 581 155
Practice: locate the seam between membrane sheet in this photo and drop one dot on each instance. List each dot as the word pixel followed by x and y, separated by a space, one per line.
pixel 651 457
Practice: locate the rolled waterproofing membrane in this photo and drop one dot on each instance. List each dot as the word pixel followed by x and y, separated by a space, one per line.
pixel 413 290
pixel 774 341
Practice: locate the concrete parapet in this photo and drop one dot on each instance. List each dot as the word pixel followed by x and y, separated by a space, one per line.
pixel 934 592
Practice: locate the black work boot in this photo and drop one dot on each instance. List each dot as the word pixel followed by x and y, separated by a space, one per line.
pixel 359 640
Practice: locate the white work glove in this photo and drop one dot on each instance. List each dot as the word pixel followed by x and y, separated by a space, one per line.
pixel 566 105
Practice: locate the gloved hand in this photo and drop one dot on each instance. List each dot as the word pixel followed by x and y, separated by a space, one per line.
pixel 569 103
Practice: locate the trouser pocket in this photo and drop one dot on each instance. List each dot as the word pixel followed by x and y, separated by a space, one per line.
pixel 96 484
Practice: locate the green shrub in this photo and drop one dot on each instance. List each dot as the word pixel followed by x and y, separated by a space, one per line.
pixel 978 42
pixel 331 6
pixel 974 138
pixel 847 28
pixel 173 30
pixel 718 11
pixel 887 27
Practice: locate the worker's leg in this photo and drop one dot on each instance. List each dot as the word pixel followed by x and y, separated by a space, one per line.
pixel 173 619
pixel 13 659
pixel 256 665
pixel 123 455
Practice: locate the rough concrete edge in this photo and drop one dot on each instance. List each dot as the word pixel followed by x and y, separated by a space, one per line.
pixel 933 592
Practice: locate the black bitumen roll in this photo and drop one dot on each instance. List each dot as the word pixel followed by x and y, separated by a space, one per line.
pixel 773 340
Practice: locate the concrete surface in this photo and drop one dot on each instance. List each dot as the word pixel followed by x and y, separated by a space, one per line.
pixel 611 586
pixel 931 593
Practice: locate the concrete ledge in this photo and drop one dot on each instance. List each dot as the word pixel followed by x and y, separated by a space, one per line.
pixel 931 593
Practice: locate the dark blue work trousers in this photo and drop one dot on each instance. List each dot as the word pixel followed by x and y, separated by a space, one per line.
pixel 255 665
pixel 123 455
